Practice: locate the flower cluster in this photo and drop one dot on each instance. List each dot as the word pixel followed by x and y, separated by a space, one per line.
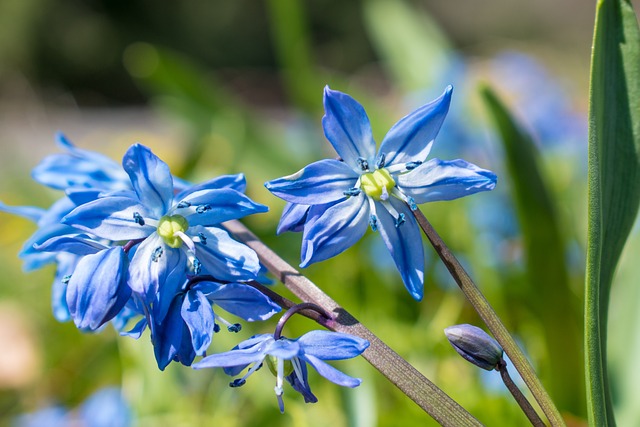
pixel 135 242
pixel 333 201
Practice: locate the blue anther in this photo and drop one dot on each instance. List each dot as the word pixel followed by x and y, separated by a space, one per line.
pixel 380 161
pixel 203 208
pixel 412 165
pixel 400 220
pixel 363 163
pixel 373 222
pixel 216 328
pixel 238 382
pixel 197 266
pixel 138 218
pixel 203 238
pixel 66 279
pixel 157 253
pixel 352 192
pixel 235 328
pixel 412 203
pixel 183 205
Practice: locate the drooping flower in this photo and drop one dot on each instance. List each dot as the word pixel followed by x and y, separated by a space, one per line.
pixel 334 201
pixel 187 329
pixel 288 359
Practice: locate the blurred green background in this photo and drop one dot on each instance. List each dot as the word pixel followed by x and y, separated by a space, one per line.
pixel 219 87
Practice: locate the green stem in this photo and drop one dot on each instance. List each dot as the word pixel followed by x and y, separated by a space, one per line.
pixel 403 375
pixel 491 319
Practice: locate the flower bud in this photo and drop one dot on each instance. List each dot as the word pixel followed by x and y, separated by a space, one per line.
pixel 475 345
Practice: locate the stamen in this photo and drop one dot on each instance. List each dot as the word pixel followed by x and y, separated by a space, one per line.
pixel 216 328
pixel 412 165
pixel 203 208
pixel 138 218
pixel 197 266
pixel 157 253
pixel 187 240
pixel 279 381
pixel 231 327
pixel 400 220
pixel 380 161
pixel 407 199
pixel 183 205
pixel 202 238
pixel 373 222
pixel 363 163
pixel 298 369
pixel 352 192
pixel 66 279
pixel 238 382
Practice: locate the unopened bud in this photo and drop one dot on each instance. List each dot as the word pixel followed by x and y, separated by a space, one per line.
pixel 475 345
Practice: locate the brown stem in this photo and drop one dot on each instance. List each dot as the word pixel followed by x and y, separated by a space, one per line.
pixel 518 396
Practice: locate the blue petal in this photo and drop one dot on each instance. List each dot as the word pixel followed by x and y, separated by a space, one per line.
pixel 215 206
pixel 66 265
pixel 293 218
pixel 41 235
pixel 327 345
pixel 31 213
pixel 235 182
pixel 111 218
pixel 336 230
pixel 154 267
pixel 347 128
pixel 301 385
pixel 198 315
pixel 331 373
pixel 105 408
pixel 79 168
pixel 321 182
pixel 438 180
pixel 241 356
pixel 224 258
pixel 171 338
pixel 411 138
pixel 405 244
pixel 97 290
pixel 78 244
pixel 137 330
pixel 244 301
pixel 150 177
pixel 284 349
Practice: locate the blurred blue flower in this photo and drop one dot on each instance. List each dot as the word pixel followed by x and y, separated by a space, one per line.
pixel 288 358
pixel 104 408
pixel 333 201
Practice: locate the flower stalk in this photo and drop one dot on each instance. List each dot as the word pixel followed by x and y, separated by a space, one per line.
pixel 403 375
pixel 491 319
pixel 526 407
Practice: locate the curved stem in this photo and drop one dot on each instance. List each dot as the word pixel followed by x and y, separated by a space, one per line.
pixel 402 374
pixel 297 309
pixel 518 396
pixel 491 319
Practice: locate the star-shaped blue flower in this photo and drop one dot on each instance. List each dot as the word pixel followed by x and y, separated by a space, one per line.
pixel 171 234
pixel 333 201
pixel 288 358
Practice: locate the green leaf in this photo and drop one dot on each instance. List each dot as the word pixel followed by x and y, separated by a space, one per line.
pixel 548 286
pixel 614 181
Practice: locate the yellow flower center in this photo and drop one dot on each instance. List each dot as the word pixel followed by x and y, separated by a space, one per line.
pixel 168 226
pixel 272 363
pixel 377 184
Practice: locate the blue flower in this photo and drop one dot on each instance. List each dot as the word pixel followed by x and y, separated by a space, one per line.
pixel 172 234
pixel 187 328
pixel 334 201
pixel 288 359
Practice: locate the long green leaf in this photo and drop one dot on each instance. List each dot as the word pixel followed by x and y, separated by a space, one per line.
pixel 544 246
pixel 614 181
